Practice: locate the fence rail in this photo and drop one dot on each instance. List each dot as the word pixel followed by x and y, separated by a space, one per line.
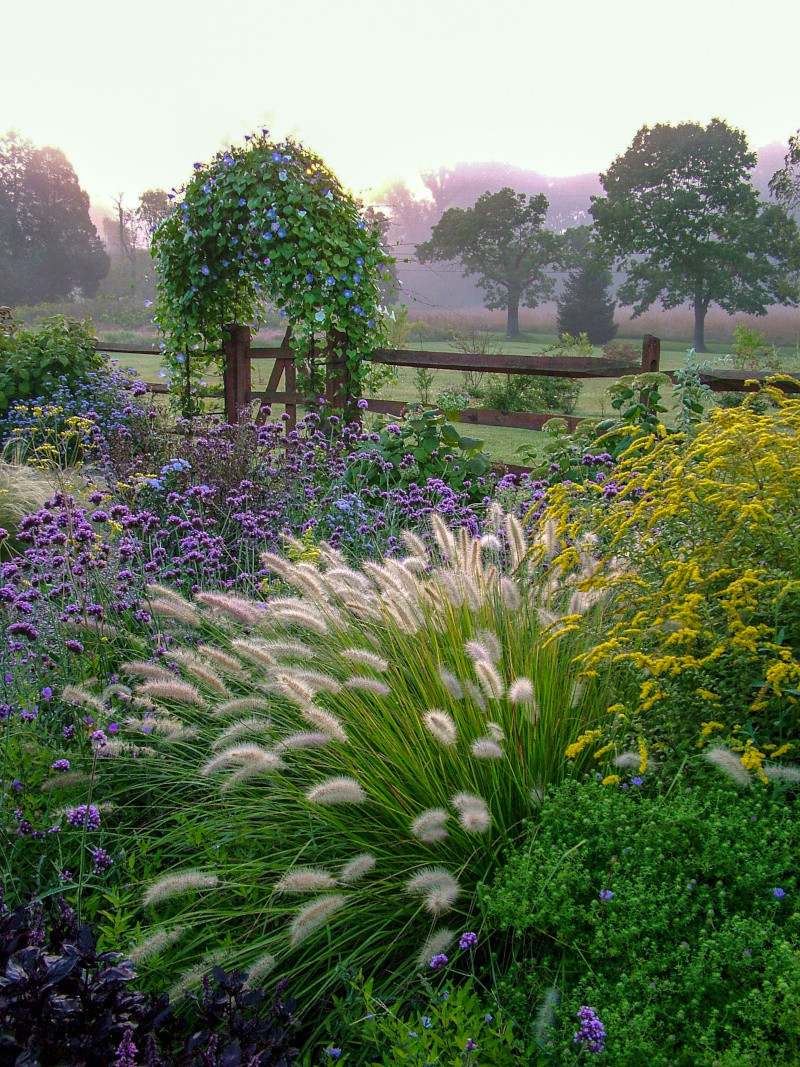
pixel 240 396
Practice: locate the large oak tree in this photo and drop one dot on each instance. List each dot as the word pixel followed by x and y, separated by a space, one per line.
pixel 48 243
pixel 681 216
pixel 502 240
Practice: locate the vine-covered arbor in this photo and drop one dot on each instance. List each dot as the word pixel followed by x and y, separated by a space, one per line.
pixel 266 223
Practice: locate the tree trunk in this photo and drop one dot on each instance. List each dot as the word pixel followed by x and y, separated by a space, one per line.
pixel 512 322
pixel 700 309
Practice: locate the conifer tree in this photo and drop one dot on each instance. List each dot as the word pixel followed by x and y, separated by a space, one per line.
pixel 586 306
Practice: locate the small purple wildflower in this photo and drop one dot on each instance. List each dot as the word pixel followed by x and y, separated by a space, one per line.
pixel 606 894
pixel 68 732
pixel 101 860
pixel 637 781
pixel 334 1053
pixel 126 1050
pixel 470 1045
pixel 778 893
pixel 468 940
pixel 84 814
pixel 439 961
pixel 592 1033
pixel 60 765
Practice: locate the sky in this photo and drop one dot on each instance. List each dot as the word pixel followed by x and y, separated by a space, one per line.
pixel 134 93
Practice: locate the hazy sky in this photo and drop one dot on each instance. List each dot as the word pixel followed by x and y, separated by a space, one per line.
pixel 134 93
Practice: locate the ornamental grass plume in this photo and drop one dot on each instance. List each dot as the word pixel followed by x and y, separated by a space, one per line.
pixel 390 754
pixel 174 885
pixel 729 763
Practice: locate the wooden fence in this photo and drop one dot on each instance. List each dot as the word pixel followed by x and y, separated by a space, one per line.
pixel 282 384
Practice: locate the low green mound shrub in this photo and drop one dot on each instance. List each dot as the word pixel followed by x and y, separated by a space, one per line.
pixel 674 914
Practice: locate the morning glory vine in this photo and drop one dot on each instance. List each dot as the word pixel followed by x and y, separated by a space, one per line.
pixel 265 223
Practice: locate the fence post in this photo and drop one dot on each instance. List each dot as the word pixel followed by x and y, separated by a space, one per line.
pixel 651 353
pixel 337 375
pixel 237 374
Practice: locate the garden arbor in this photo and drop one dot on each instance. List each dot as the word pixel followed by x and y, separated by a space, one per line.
pixel 267 223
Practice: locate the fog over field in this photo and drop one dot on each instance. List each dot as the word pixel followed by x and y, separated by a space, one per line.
pixel 435 290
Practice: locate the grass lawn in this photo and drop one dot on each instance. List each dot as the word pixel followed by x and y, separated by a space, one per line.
pixel 502 443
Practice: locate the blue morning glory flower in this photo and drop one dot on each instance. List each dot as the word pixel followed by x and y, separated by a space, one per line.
pixel 240 255
pixel 344 278
pixel 205 270
pixel 276 157
pixel 224 263
pixel 282 175
pixel 356 279
pixel 309 278
pixel 361 226
pixel 275 226
pixel 348 293
pixel 267 261
pixel 207 189
pixel 320 316
pixel 180 358
pixel 242 202
pixel 330 280
pixel 359 261
pixel 287 159
pixel 234 240
pixel 281 232
pixel 197 166
pixel 272 213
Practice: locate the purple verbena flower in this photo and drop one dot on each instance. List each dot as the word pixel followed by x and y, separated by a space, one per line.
pixel 468 940
pixel 591 1034
pixel 439 961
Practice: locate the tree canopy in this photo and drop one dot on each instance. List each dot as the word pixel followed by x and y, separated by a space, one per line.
pixel 48 243
pixel 682 217
pixel 785 183
pixel 502 240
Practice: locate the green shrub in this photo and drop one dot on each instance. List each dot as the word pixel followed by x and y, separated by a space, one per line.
pixel 337 771
pixel 33 364
pixel 692 959
pixel 444 1026
pixel 516 392
pixel 423 445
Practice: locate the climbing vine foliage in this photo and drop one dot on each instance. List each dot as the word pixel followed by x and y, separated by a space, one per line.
pixel 265 223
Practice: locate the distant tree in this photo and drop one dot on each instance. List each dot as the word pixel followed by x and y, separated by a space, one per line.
pixel 153 207
pixel 682 217
pixel 785 183
pixel 585 306
pixel 502 240
pixel 48 243
pixel 378 220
